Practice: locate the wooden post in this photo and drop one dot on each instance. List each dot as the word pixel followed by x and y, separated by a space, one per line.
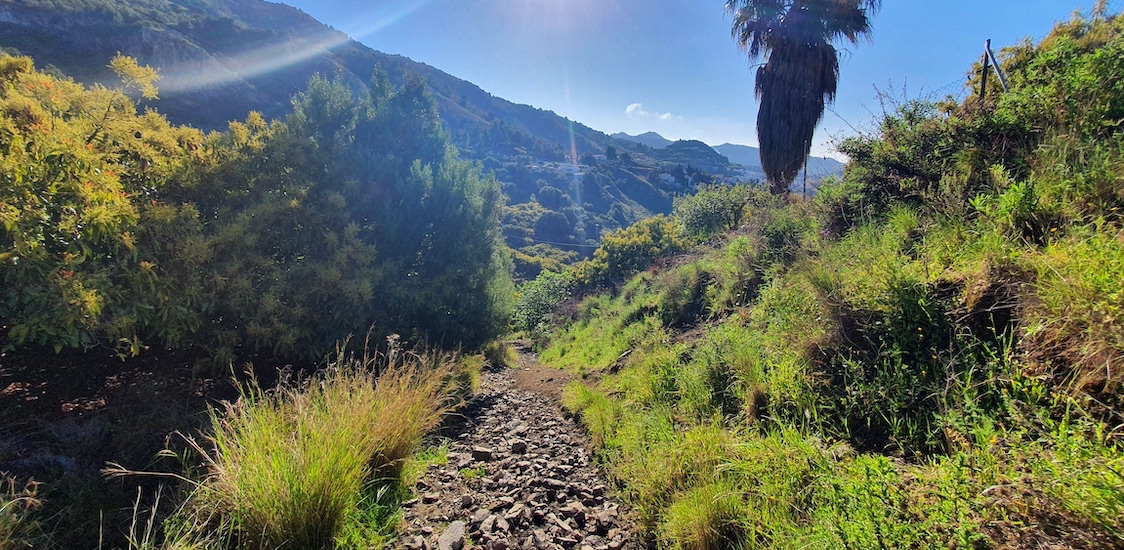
pixel 983 79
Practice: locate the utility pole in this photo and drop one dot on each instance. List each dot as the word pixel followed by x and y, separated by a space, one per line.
pixel 804 192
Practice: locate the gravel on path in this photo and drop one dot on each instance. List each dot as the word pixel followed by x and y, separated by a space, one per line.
pixel 519 475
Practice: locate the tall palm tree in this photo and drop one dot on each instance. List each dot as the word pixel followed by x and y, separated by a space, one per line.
pixel 800 73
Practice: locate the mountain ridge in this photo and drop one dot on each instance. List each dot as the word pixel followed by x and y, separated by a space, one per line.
pixel 745 155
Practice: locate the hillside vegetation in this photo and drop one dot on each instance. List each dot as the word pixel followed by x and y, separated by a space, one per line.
pixel 276 237
pixel 222 59
pixel 272 241
pixel 929 354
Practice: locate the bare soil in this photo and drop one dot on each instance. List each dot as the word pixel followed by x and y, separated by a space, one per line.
pixel 64 417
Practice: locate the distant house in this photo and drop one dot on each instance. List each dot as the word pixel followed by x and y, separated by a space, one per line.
pixel 573 169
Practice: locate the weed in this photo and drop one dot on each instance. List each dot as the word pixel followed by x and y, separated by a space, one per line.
pixel 415 466
pixel 470 474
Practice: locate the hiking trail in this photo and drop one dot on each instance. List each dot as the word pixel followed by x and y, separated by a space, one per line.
pixel 519 475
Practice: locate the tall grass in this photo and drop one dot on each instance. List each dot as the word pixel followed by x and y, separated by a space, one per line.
pixel 855 402
pixel 1080 295
pixel 285 468
pixel 17 502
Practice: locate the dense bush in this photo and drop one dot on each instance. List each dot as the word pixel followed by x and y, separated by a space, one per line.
pixel 275 236
pixel 624 252
pixel 714 208
pixel 91 249
pixel 539 297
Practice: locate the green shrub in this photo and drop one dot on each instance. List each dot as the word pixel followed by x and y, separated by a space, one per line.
pixel 623 253
pixel 714 208
pixel 279 237
pixel 1080 182
pixel 538 298
pixel 499 354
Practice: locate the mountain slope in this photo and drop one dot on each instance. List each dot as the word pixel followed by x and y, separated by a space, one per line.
pixel 741 154
pixel 651 139
pixel 749 157
pixel 221 59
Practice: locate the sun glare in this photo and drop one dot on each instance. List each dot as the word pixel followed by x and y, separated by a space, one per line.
pixel 564 15
pixel 277 57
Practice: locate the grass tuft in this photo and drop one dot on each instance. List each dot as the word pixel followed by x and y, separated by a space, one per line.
pixel 710 517
pixel 1080 295
pixel 17 503
pixel 292 467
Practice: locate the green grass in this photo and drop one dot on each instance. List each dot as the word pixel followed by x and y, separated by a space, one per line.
pixel 318 464
pixel 1080 309
pixel 848 402
pixel 708 517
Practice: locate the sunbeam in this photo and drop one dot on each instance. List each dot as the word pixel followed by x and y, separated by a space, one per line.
pixel 230 68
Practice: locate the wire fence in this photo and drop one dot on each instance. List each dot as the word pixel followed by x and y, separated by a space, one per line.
pixel 957 89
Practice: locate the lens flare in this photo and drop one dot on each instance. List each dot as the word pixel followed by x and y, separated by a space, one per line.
pixel 226 68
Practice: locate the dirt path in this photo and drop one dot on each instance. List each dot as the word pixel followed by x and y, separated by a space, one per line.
pixel 519 475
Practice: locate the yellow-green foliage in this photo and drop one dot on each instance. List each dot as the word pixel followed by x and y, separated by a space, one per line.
pixel 107 264
pixel 629 250
pixel 287 467
pixel 118 228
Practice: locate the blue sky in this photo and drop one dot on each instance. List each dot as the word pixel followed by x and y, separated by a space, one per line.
pixel 670 66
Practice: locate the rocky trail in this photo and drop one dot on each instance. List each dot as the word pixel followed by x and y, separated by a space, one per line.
pixel 519 475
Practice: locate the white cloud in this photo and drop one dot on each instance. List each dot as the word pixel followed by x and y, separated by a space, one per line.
pixel 637 110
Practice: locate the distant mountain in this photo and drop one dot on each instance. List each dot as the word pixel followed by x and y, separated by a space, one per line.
pixel 741 154
pixel 693 153
pixel 651 139
pixel 750 157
